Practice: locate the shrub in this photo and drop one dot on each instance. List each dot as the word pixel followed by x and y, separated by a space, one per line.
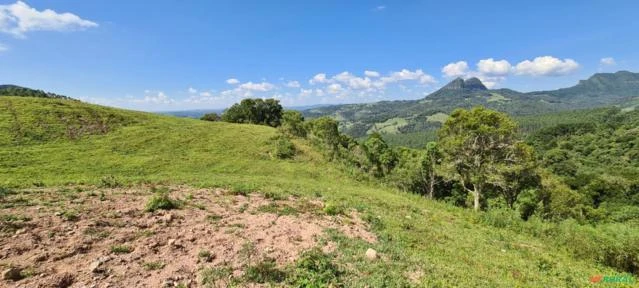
pixel 157 265
pixel 284 148
pixel 334 209
pixel 293 123
pixel 161 201
pixel 121 249
pixel 210 117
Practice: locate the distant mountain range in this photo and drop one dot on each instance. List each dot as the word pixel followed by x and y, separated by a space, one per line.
pixel 409 116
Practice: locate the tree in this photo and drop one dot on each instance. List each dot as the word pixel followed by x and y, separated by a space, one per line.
pixel 379 154
pixel 210 117
pixel 255 111
pixel 293 123
pixel 325 130
pixel 430 159
pixel 478 145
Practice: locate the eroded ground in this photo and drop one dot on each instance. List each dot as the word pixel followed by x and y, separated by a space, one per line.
pixel 90 237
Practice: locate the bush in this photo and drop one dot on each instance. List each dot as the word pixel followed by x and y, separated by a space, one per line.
pixel 284 148
pixel 121 249
pixel 161 201
pixel 109 181
pixel 210 117
pixel 293 123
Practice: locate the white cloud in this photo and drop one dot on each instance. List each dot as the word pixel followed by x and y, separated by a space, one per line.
pixel 493 68
pixel 380 8
pixel 455 69
pixel 546 66
pixel 192 90
pixel 608 61
pixel 319 78
pixel 372 74
pixel 233 81
pixel 334 88
pixel 405 74
pixel 263 87
pixel 305 92
pixel 293 84
pixel 154 98
pixel 352 81
pixel 205 94
pixel 19 18
pixel 3 47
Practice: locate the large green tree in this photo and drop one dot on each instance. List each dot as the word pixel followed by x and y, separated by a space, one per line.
pixel 481 148
pixel 255 111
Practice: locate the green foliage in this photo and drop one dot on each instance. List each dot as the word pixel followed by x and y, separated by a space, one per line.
pixel 265 271
pixel 382 157
pixel 217 277
pixel 293 123
pixel 12 90
pixel 255 111
pixel 480 146
pixel 334 209
pixel 324 131
pixel 121 249
pixel 284 149
pixel 161 201
pixel 314 268
pixel 156 265
pixel 210 117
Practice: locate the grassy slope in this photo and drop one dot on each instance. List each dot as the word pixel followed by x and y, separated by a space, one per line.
pixel 447 244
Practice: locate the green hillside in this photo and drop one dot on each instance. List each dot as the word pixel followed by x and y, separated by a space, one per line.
pixel 422 243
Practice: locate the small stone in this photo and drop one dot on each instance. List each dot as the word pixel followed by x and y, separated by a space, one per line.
pixel 63 281
pixel 175 243
pixel 168 217
pixel 96 266
pixel 12 274
pixel 371 254
pixel 21 231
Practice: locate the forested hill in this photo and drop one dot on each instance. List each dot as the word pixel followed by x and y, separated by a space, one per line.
pixel 13 90
pixel 427 114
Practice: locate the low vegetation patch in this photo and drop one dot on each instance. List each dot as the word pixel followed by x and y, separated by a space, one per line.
pixel 161 201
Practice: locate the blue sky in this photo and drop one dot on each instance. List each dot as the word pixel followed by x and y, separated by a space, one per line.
pixel 175 55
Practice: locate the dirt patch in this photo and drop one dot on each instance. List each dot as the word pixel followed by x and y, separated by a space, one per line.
pixel 104 237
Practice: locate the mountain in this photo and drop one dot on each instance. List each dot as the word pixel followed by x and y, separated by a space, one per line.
pixel 426 115
pixel 14 90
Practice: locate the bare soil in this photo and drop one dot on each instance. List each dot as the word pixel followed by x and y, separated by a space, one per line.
pixel 104 237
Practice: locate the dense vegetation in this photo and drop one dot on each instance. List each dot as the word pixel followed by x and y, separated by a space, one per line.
pixel 546 235
pixel 255 111
pixel 12 90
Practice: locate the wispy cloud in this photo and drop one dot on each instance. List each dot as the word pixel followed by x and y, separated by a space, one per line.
pixel 608 61
pixel 380 8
